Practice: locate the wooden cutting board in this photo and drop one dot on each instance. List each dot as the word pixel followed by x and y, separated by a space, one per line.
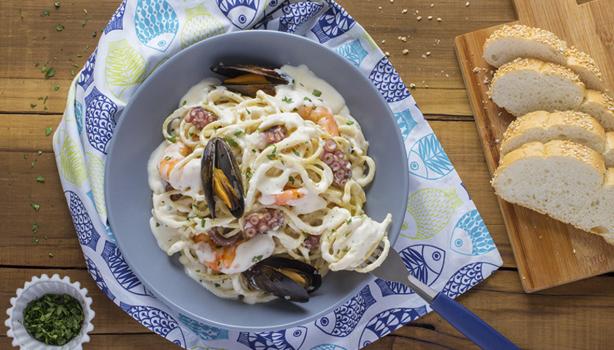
pixel 548 253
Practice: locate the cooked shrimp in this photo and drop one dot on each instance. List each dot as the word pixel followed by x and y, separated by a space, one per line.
pixel 321 116
pixel 173 154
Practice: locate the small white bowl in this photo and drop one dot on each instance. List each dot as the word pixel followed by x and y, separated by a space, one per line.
pixel 35 289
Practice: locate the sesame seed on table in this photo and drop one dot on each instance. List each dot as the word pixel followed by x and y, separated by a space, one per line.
pixel 36 235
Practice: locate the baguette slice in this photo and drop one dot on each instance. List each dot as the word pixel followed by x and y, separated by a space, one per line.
pixel 562 179
pixel 511 42
pixel 519 41
pixel 599 105
pixel 542 126
pixel 527 85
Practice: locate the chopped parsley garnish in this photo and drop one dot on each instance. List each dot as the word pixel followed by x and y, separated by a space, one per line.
pixel 48 131
pixel 40 179
pixel 307 99
pixel 316 93
pixel 35 206
pixel 59 28
pixel 291 179
pixel 257 258
pixel 287 99
pixel 35 227
pixel 273 154
pixel 350 122
pixel 238 133
pixel 184 102
pixel 349 221
pixel 296 153
pixel 53 319
pixel 248 173
pixel 217 285
pixel 172 138
pixel 231 141
pixel 48 71
pixel 254 150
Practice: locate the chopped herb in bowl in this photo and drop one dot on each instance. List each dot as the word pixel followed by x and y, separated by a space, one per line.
pixel 54 319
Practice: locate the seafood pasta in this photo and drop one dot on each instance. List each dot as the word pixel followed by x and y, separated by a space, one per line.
pixel 259 185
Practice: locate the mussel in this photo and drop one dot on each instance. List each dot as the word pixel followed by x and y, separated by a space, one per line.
pixel 285 278
pixel 221 177
pixel 247 79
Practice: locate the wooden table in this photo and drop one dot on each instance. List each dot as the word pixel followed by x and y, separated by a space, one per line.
pixel 575 316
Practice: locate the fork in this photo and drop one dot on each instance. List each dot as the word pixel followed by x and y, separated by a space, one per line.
pixel 471 326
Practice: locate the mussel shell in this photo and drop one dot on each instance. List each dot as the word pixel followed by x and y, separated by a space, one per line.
pixel 266 276
pixel 218 154
pixel 236 70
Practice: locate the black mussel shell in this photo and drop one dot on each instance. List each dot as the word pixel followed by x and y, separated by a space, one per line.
pixel 221 177
pixel 235 70
pixel 285 278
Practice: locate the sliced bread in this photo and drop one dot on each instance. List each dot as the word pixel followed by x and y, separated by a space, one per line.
pixel 519 41
pixel 599 105
pixel 562 179
pixel 526 85
pixel 513 41
pixel 542 126
pixel 557 178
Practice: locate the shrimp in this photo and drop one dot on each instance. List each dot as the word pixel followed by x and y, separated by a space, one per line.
pixel 173 154
pixel 285 197
pixel 321 116
pixel 223 256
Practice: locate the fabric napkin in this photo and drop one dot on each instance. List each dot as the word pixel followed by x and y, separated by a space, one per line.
pixel 443 242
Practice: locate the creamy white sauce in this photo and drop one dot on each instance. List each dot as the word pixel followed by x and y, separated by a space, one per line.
pixel 156 183
pixel 305 83
pixel 198 93
pixel 186 178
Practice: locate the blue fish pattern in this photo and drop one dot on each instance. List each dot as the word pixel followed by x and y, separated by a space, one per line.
pixel 345 318
pixel 241 13
pixel 424 261
pixel 205 332
pixel 297 14
pixel 117 20
pixel 405 122
pixel 86 78
pixel 467 277
pixel 470 235
pixel 333 23
pixel 121 271
pixel 328 347
pixel 388 82
pixel 86 232
pixel 99 120
pixel 79 116
pixel 387 321
pixel 289 339
pixel 353 52
pixel 157 321
pixel 156 24
pixel 428 160
pixel 97 276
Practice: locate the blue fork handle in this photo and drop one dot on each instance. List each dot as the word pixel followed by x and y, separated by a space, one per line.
pixel 470 325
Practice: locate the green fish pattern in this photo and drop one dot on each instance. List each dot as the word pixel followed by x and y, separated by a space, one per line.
pixel 124 65
pixel 71 162
pixel 200 25
pixel 432 209
pixel 95 171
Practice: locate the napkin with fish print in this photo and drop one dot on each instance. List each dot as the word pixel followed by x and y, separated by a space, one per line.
pixel 443 242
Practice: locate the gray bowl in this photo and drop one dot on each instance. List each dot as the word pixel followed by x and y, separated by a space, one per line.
pixel 138 133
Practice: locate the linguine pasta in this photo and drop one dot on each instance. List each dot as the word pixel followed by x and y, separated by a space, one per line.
pixel 302 172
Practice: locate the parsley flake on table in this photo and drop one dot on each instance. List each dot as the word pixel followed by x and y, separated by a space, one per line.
pixel 48 71
pixel 40 179
pixel 56 87
pixel 59 27
pixel 35 206
pixel 48 131
pixel 35 227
